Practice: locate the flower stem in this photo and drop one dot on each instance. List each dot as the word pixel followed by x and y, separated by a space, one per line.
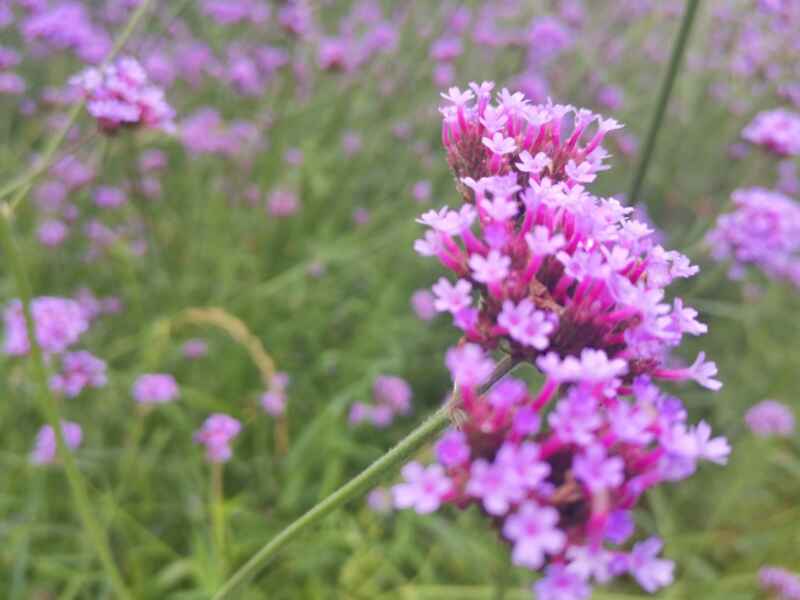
pixel 354 488
pixel 218 512
pixel 675 61
pixel 77 485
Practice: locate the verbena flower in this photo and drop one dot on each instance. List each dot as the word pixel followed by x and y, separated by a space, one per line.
pixel 194 348
pixel 781 582
pixel 52 233
pixel 121 96
pixel 550 274
pixel 59 323
pixel 770 418
pixel 273 401
pixel 391 397
pixel 762 231
pixel 282 203
pixel 777 130
pixel 155 388
pixel 107 196
pixel 44 450
pixel 423 302
pixel 216 435
pixel 79 370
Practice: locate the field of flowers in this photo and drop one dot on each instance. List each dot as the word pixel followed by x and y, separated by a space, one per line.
pixel 491 299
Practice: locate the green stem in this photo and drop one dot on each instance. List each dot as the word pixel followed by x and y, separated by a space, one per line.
pixel 91 523
pixel 675 60
pixel 354 488
pixel 46 159
pixel 218 513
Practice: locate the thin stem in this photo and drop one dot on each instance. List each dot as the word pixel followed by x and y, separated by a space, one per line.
pixel 77 485
pixel 354 488
pixel 664 93
pixel 131 447
pixel 45 160
pixel 218 512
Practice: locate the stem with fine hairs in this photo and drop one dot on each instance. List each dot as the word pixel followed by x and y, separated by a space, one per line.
pixel 357 486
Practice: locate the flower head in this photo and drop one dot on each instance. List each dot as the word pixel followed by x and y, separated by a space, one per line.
pixel 770 418
pixel 424 488
pixel 120 95
pixel 44 451
pixel 216 434
pixel 155 388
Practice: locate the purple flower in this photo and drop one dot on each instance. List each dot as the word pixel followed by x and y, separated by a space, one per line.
pixel 495 485
pixel 526 325
pixel 59 323
pixel 590 562
pixel 644 565
pixel 777 130
pixel 763 230
pixel 700 371
pixel 12 84
pixel 44 451
pixel 282 203
pixel 273 402
pixel 424 488
pixel 490 269
pixel 120 95
pixel 596 470
pixel 619 527
pixel 52 233
pixel 593 365
pixel 523 463
pixel 468 365
pixel 421 191
pixel 109 197
pixel 424 304
pixel 195 348
pixel 452 449
pixel 534 532
pixel 379 500
pixel 155 388
pixel 452 298
pixel 499 144
pixel 716 450
pixel 768 418
pixel 216 434
pixel 393 392
pixel 785 583
pixel 78 371
pixel 561 584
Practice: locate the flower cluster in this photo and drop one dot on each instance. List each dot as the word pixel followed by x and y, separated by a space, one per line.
pixel 205 132
pixel 120 95
pixel 65 26
pixel 273 401
pixel 392 397
pixel 155 388
pixel 79 370
pixel 777 130
pixel 194 348
pixel 785 584
pixel 770 418
pixel 59 323
pixel 44 450
pixel 763 230
pixel 552 275
pixel 216 434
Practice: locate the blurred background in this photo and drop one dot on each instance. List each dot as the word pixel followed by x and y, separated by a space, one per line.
pixel 306 141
